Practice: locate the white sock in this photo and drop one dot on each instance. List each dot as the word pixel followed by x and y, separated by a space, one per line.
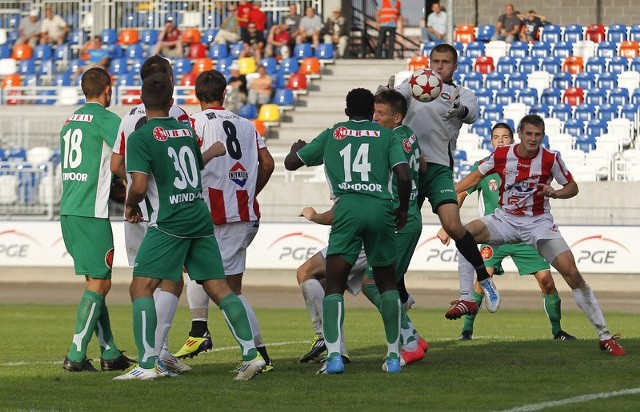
pixel 586 300
pixel 313 294
pixel 343 345
pixel 466 273
pixel 166 304
pixel 405 335
pixel 253 321
pixel 198 301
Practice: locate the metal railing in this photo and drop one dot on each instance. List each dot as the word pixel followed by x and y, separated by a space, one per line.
pixel 31 190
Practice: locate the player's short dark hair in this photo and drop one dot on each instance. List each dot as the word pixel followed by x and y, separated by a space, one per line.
pixel 532 119
pixel 395 100
pixel 502 125
pixel 360 103
pixel 210 86
pixel 157 92
pixel 155 64
pixel 445 48
pixel 94 81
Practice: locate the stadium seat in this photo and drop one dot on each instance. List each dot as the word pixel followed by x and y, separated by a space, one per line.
pixel 596 96
pixel 235 50
pixel 197 51
pixel 8 66
pixel 585 112
pixel 516 111
pixel 47 68
pixel 562 50
pixel 270 64
pixel 218 51
pixel 540 50
pixel 573 33
pixel 26 67
pixel 608 112
pixel 149 37
pixel 634 32
pixel 585 80
pixel 495 49
pixel 209 35
pixel 182 66
pixel 629 80
pixel 573 96
pixel 484 96
pixel 269 114
pixel 493 111
pixel 43 52
pixel 279 81
pixel 486 32
pixel 607 81
pixel 618 64
pixel 324 52
pixel 75 65
pixel 284 98
pixel 109 36
pixel 302 50
pixel 417 62
pixel 574 127
pixel 504 96
pixel 551 64
pixel 541 109
pixel 31 80
pixel 118 66
pixel 628 49
pixel 584 49
pixel 573 64
pixel 607 49
pixel 5 51
pixel 202 65
pixel 134 51
pixel 630 111
pixel 562 80
pixel 456 45
pixel 616 33
pixel 247 65
pixel 553 125
pixel 260 128
pixel 596 127
pixel 297 82
pixel 561 142
pixel 465 33
pixel 128 79
pixel 551 96
pixel 62 53
pixel 473 80
pixel 223 64
pixel 506 65
pixel 474 49
pixel 551 33
pixel 495 80
pixel 518 49
pixel 22 52
pixel 595 65
pixel 517 80
pixel 618 96
pixel 115 51
pixel 528 96
pixel 528 65
pixel 465 65
pixel 620 127
pixel 539 80
pixel 484 64
pixel 289 66
pixel 595 33
pixel 481 127
pixel 310 66
pixel 191 36
pixel 128 37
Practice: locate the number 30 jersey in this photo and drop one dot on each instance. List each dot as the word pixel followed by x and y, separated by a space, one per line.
pixel 86 140
pixel 229 181
pixel 167 151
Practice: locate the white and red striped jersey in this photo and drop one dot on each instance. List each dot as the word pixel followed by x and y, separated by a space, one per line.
pixel 132 121
pixel 521 177
pixel 229 181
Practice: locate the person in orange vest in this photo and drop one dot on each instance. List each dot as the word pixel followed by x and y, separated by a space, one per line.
pixel 387 15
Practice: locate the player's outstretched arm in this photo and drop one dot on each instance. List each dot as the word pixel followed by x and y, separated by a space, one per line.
pixel 292 161
pixel 265 168
pixel 324 218
pixel 117 165
pixel 469 181
pixel 568 191
pixel 215 150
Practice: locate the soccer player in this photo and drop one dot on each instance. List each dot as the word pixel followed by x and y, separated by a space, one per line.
pixel 527 259
pixel 437 125
pixel 231 184
pixel 167 296
pixel 527 170
pixel 164 161
pixel 86 140
pixel 359 157
pixel 389 111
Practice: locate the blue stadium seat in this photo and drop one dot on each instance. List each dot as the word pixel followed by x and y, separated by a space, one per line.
pixel 17 154
pixel 248 111
pixel 284 97
pixel 510 122
pixel 493 112
pixel 235 50
pixel 115 51
pixel 505 96
pixel 484 96
pixel 506 65
pixel 324 51
pixel 561 111
pixel 596 96
pixel 540 49
pixel 618 64
pixel 271 64
pixel 218 51
pixel 575 127
pixel 585 112
pixel 585 143
pixel 47 68
pixel 485 32
pixel 149 37
pixel 74 65
pixel 540 109
pixel 562 49
pixel 456 45
pixel 517 80
pixel 134 51
pixel 607 49
pixel 279 81
pixel 289 66
pixel 617 33
pixel 425 48
pixel 634 32
pixel 181 66
pixel 528 96
pixel 551 64
pixel 528 64
pixel 77 36
pixel 128 79
pixel 607 81
pixel 12 36
pixel 136 66
pixel 62 52
pixel 618 96
pixel 634 64
pixel 596 127
pixel 5 51
pixel 585 80
pixel 62 79
pixel 209 35
pixel 551 96
pixel 551 33
pixel 519 49
pixel 43 52
pixel 45 97
pixel 595 65
pixel 495 80
pixel 573 33
pixel 607 112
pixel 630 111
pixel 562 80
pixel 109 36
pixel 222 65
pixel 31 80
pixel 302 50
pixel 26 67
pixel 481 127
pixel 465 64
pixel 118 66
pixel 474 49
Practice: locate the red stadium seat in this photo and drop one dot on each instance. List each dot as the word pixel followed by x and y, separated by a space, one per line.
pixel 573 96
pixel 573 64
pixel 197 51
pixel 297 81
pixel 128 37
pixel 465 33
pixel 484 64
pixel 417 62
pixel 595 33
pixel 131 97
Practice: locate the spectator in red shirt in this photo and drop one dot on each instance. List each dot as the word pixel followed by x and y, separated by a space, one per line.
pixel 169 42
pixel 258 17
pixel 242 15
pixel 278 40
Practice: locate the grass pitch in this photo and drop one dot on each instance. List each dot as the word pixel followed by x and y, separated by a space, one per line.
pixel 511 363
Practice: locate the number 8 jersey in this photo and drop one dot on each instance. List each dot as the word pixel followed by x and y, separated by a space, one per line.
pixel 229 181
pixel 86 140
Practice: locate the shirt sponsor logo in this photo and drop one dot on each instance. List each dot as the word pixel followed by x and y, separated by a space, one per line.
pixel 361 187
pixel 493 185
pixel 238 174
pixel 522 187
pixel 79 118
pixel 342 132
pixel 486 252
pixel 79 177
pixel 445 96
pixel 162 135
pixel 408 143
pixel 184 197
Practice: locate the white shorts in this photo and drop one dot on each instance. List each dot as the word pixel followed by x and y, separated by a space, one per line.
pixel 354 281
pixel 133 235
pixel 508 228
pixel 233 240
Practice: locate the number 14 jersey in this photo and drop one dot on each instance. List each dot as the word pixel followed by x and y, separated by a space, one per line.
pixel 229 181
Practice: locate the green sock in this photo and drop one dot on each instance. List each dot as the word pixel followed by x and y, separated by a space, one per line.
pixel 407 337
pixel 108 348
pixel 332 319
pixel 390 309
pixel 144 331
pixel 552 308
pixel 469 319
pixel 236 316
pixel 86 318
pixel 373 294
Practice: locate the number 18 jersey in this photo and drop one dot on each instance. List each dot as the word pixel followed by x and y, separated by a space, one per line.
pixel 229 181
pixel 167 151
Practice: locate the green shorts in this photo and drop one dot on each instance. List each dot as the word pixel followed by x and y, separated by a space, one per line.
pixel 364 219
pixel 526 258
pixel 406 244
pixel 162 256
pixel 436 184
pixel 89 241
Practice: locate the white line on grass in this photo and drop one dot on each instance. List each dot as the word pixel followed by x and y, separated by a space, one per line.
pixel 575 399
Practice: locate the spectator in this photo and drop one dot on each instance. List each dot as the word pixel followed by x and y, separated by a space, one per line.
pixel 229 29
pixel 436 27
pixel 242 14
pixel 237 89
pixel 309 29
pixel 253 42
pixel 54 29
pixel 258 17
pixel 94 43
pixel 387 14
pixel 278 40
pixel 292 20
pixel 29 29
pixel 508 25
pixel 169 42
pixel 335 31
pixel 531 23
pixel 260 88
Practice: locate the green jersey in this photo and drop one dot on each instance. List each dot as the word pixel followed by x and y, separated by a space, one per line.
pixel 86 142
pixel 411 150
pixel 489 190
pixel 166 150
pixel 358 157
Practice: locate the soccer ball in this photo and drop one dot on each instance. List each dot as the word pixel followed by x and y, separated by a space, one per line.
pixel 425 85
